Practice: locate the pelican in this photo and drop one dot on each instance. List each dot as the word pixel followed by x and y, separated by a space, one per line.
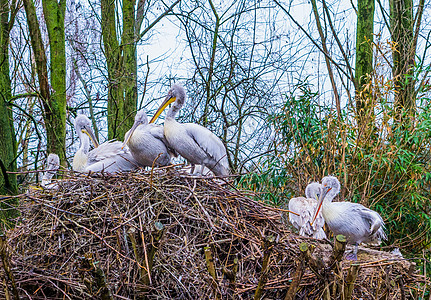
pixel 147 142
pixel 109 157
pixel 193 142
pixel 84 131
pixel 305 208
pixel 353 220
pixel 52 165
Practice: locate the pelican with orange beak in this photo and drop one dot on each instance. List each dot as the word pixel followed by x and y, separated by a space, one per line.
pixel 353 220
pixel 108 157
pixel 304 209
pixel 193 142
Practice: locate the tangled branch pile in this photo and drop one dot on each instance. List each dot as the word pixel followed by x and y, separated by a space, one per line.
pixel 163 234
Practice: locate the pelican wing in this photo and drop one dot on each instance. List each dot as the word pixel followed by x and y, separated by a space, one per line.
pixel 297 206
pixel 209 143
pixel 372 222
pixel 109 157
pixel 105 150
pixel 113 164
pixel 375 222
pixel 156 131
pixel 319 234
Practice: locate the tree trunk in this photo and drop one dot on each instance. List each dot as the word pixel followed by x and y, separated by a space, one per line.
pixel 129 40
pixel 364 63
pixel 121 60
pixel 122 67
pixel 403 55
pixel 8 149
pixel 54 105
pixel 113 58
pixel 7 132
pixel 55 121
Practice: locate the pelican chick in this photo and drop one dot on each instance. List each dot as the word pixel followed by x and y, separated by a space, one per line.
pixel 147 142
pixel 305 208
pixel 52 165
pixel 353 220
pixel 193 142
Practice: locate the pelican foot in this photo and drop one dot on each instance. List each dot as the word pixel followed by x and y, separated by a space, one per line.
pixel 351 256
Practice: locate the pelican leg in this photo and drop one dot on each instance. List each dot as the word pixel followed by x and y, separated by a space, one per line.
pixel 354 254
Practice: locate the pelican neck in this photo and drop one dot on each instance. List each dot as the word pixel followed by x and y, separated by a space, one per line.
pixel 171 114
pixel 84 143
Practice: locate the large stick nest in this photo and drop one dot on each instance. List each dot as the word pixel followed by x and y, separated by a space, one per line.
pixel 200 238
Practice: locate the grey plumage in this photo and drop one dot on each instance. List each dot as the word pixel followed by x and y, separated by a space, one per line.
pixel 147 142
pixel 353 220
pixel 110 157
pixel 52 165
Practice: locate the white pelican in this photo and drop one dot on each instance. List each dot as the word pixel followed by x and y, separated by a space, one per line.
pixel 83 129
pixel 353 220
pixel 193 142
pixel 147 143
pixel 305 208
pixel 108 157
pixel 52 165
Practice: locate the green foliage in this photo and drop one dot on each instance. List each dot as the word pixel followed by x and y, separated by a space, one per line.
pixel 299 133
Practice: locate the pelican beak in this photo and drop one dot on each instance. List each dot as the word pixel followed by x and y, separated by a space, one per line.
pixel 129 134
pixel 89 132
pixel 168 100
pixel 325 191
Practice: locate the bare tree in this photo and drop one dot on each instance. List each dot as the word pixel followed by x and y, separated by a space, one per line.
pixel 404 28
pixel 238 66
pixel 364 54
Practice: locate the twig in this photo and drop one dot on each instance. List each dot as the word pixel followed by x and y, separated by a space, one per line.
pixel 296 280
pixel 147 277
pixel 211 269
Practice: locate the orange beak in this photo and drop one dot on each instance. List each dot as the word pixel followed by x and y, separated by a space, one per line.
pixel 88 131
pixel 168 100
pixel 325 191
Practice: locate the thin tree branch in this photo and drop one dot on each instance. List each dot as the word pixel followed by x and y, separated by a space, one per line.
pixel 167 11
pixel 328 65
pixel 312 40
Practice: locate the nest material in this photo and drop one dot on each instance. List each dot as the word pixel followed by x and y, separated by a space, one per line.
pixel 165 235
